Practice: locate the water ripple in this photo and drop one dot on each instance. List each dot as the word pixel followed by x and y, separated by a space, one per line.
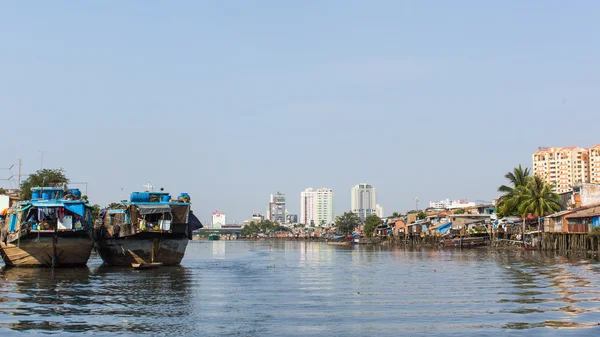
pixel 283 288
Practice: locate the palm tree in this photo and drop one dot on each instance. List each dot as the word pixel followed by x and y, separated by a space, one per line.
pixel 507 204
pixel 536 198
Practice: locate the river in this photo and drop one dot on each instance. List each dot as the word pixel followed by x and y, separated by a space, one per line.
pixel 286 288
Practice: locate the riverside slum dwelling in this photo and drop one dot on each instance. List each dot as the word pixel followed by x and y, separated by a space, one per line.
pixel 50 230
pixel 149 230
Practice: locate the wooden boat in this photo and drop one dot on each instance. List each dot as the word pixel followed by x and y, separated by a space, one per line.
pixel 214 237
pixel 466 242
pixel 149 230
pixel 50 230
pixel 340 241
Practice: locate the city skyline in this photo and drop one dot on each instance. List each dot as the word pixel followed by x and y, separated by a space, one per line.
pixel 415 99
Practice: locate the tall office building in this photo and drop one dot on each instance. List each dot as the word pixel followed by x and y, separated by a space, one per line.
pixel 316 207
pixel 324 206
pixel 307 207
pixel 363 200
pixel 564 167
pixel 277 210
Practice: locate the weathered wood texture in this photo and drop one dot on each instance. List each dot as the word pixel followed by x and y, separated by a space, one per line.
pixel 131 250
pixel 32 251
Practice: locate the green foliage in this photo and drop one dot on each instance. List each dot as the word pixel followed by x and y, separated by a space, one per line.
pixel 346 223
pixel 595 233
pixel 116 205
pixel 536 198
pixel 396 215
pixel 477 230
pixel 507 203
pixel 2 191
pixel 95 212
pixel 460 211
pixel 421 215
pixel 371 222
pixel 84 197
pixel 266 227
pixel 42 178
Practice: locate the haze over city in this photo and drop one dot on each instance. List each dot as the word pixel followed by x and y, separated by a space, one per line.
pixel 233 101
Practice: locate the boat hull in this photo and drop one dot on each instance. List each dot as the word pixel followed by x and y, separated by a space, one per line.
pixel 34 251
pixel 145 250
pixel 466 242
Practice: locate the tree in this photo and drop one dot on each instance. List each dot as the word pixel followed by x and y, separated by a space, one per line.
pixel 536 198
pixel 2 191
pixel 395 215
pixel 346 223
pixel 421 215
pixel 95 212
pixel 266 227
pixel 371 222
pixel 41 178
pixel 460 211
pixel 507 203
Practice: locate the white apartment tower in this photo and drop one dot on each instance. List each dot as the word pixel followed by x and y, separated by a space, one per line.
pixel 324 203
pixel 316 207
pixel 307 207
pixel 363 200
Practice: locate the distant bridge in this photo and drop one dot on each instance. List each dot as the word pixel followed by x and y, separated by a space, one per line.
pixel 222 231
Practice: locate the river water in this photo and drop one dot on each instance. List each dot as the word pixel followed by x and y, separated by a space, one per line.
pixel 279 288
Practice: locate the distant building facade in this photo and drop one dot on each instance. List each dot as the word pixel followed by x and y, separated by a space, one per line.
pixel 307 207
pixel 277 208
pixel 566 166
pixel 451 204
pixel 363 200
pixel 316 207
pixel 292 218
pixel 324 206
pixel 379 210
pixel 218 220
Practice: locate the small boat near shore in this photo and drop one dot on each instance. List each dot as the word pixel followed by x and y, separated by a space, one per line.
pixel 214 237
pixel 339 241
pixel 466 242
pixel 149 230
pixel 50 230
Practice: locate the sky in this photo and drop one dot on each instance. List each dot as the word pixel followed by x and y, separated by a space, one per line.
pixel 231 101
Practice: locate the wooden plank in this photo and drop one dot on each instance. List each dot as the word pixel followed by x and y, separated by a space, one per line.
pixel 146 265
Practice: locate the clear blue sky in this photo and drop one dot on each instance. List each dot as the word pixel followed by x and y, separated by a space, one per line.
pixel 233 100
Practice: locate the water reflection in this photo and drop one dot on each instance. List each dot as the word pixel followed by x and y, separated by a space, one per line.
pixel 277 288
pixel 96 299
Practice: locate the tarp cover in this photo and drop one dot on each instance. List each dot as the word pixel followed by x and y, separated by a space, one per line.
pixel 153 209
pixel 194 222
pixel 76 208
pixel 444 228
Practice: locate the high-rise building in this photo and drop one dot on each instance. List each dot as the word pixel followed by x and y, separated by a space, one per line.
pixel 379 210
pixel 307 207
pixel 324 206
pixel 363 200
pixel 218 220
pixel 563 167
pixel 316 207
pixel 594 156
pixel 277 210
